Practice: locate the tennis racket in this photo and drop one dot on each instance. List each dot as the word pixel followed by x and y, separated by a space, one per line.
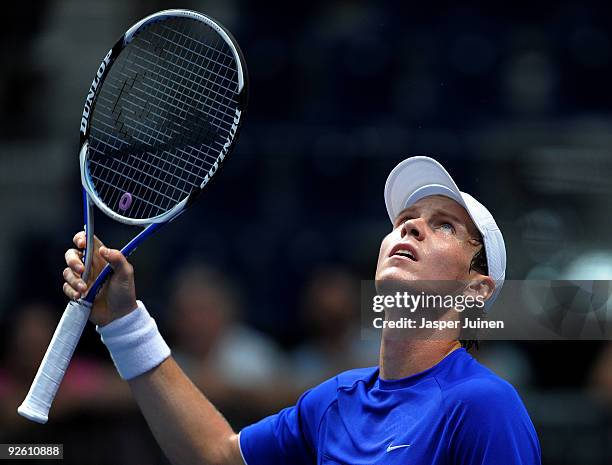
pixel 163 111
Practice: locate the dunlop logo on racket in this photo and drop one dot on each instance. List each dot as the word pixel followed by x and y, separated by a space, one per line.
pixel 92 91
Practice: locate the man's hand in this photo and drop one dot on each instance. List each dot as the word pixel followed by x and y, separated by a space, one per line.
pixel 118 295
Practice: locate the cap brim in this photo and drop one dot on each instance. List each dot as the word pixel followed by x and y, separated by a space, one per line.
pixel 415 178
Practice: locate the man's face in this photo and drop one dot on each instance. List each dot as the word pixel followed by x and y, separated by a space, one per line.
pixel 433 240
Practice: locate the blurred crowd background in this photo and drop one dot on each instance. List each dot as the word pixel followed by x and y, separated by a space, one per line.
pixel 257 288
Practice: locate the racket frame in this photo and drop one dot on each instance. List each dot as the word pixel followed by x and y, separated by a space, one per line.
pixel 38 401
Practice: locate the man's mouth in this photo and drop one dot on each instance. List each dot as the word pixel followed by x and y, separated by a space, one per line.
pixel 404 250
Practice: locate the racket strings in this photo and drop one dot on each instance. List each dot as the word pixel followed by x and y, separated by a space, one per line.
pixel 162 117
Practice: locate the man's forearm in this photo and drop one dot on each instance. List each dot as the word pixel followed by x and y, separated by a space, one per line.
pixel 186 425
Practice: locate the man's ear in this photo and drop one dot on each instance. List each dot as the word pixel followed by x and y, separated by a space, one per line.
pixel 480 285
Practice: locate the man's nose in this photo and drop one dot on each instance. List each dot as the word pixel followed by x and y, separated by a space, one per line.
pixel 414 227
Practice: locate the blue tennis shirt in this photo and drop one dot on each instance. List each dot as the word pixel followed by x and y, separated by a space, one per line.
pixel 457 412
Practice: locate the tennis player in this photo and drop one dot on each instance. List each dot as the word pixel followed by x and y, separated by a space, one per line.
pixel 427 402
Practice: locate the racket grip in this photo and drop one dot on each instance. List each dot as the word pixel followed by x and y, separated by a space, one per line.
pixel 37 403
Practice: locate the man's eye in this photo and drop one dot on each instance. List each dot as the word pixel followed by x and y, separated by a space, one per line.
pixel 449 227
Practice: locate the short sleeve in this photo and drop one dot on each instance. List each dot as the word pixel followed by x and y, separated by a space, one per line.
pixel 489 425
pixel 290 436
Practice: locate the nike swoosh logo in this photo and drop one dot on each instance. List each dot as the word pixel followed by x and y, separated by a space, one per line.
pixel 390 448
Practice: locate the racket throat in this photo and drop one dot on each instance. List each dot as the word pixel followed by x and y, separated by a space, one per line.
pixel 89 234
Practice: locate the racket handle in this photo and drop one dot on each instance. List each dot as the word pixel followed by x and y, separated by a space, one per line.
pixel 37 403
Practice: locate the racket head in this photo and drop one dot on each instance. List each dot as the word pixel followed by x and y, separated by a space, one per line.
pixel 162 113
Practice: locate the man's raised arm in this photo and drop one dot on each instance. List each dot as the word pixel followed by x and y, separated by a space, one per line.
pixel 186 425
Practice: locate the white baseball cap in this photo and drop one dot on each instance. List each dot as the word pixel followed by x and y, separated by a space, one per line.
pixel 418 177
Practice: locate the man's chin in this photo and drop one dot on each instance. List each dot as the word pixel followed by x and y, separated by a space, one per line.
pixel 395 280
pixel 389 283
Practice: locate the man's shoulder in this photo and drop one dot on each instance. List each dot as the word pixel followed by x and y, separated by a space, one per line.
pixel 479 388
pixel 484 413
pixel 480 391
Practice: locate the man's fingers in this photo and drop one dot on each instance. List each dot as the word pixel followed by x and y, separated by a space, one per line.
pixel 116 260
pixel 79 239
pixel 73 260
pixel 74 280
pixel 70 292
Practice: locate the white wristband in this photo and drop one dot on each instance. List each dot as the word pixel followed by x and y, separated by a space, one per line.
pixel 134 343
